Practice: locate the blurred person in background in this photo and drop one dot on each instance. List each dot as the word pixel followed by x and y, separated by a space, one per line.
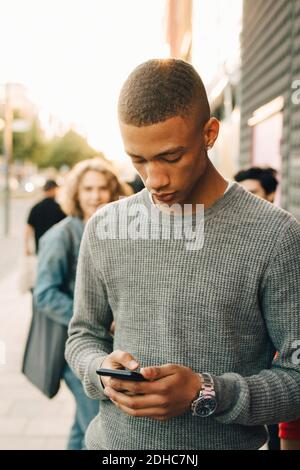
pixel 90 185
pixel 42 216
pixel 137 184
pixel 289 434
pixel 261 182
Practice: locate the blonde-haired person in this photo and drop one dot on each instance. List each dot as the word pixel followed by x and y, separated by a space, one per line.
pixel 89 185
pixel 111 188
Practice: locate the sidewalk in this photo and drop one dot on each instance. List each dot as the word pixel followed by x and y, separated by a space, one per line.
pixel 28 420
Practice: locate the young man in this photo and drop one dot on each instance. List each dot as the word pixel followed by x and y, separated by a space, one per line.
pixel 42 216
pixel 202 321
pixel 261 182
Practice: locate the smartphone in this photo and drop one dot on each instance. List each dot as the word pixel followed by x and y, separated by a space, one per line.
pixel 121 374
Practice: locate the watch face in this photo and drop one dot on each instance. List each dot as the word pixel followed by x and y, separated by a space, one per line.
pixel 206 406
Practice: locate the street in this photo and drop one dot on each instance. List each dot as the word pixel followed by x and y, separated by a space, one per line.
pixel 11 246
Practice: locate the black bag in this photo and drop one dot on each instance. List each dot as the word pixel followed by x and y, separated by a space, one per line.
pixel 44 356
pixel 44 360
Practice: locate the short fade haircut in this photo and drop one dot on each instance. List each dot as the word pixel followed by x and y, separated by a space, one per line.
pixel 160 89
pixel 266 177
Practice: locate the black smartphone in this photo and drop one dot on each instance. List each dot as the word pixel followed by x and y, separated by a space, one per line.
pixel 122 374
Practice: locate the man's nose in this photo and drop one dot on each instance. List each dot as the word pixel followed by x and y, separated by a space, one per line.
pixel 157 177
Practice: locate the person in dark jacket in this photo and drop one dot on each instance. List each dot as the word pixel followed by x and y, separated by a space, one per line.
pixel 43 216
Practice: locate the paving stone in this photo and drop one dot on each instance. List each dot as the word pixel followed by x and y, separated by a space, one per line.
pixel 19 443
pixel 55 426
pixel 12 426
pixel 28 419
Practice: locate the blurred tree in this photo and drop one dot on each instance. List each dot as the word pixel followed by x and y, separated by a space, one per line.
pixel 66 150
pixel 32 146
pixel 29 145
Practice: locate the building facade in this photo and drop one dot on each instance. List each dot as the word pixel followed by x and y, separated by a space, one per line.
pixel 206 33
pixel 270 93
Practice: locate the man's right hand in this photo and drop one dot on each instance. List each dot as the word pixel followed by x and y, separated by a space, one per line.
pixel 118 360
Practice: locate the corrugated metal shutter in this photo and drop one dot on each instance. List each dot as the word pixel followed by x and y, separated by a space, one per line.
pixel 270 64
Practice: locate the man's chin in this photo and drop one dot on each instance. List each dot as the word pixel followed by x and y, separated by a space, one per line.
pixel 175 206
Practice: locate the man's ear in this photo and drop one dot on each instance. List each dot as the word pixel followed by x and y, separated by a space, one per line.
pixel 211 132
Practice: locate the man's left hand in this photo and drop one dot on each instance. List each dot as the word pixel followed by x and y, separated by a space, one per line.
pixel 168 392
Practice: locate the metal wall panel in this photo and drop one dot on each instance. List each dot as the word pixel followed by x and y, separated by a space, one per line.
pixel 270 64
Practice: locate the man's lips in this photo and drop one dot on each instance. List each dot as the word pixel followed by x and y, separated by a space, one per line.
pixel 165 197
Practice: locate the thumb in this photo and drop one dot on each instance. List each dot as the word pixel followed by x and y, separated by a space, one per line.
pixel 158 372
pixel 124 359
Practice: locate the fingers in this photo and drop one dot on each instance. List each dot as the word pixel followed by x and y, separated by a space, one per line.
pixel 113 327
pixel 118 360
pixel 124 359
pixel 155 387
pixel 137 401
pixel 136 388
pixel 138 405
pixel 127 386
pixel 158 372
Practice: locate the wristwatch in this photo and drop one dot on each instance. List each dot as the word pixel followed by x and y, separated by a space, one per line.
pixel 205 405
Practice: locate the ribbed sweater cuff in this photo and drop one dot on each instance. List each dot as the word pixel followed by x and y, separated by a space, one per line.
pixel 227 392
pixel 94 378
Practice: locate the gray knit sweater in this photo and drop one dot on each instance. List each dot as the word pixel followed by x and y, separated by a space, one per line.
pixel 224 308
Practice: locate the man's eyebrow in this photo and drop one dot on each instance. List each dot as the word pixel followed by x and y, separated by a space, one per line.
pixel 162 154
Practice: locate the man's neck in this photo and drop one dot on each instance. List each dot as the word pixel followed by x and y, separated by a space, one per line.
pixel 209 188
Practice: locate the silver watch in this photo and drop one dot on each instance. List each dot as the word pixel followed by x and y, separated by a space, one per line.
pixel 205 405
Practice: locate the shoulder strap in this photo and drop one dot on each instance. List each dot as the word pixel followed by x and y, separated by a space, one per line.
pixel 70 255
